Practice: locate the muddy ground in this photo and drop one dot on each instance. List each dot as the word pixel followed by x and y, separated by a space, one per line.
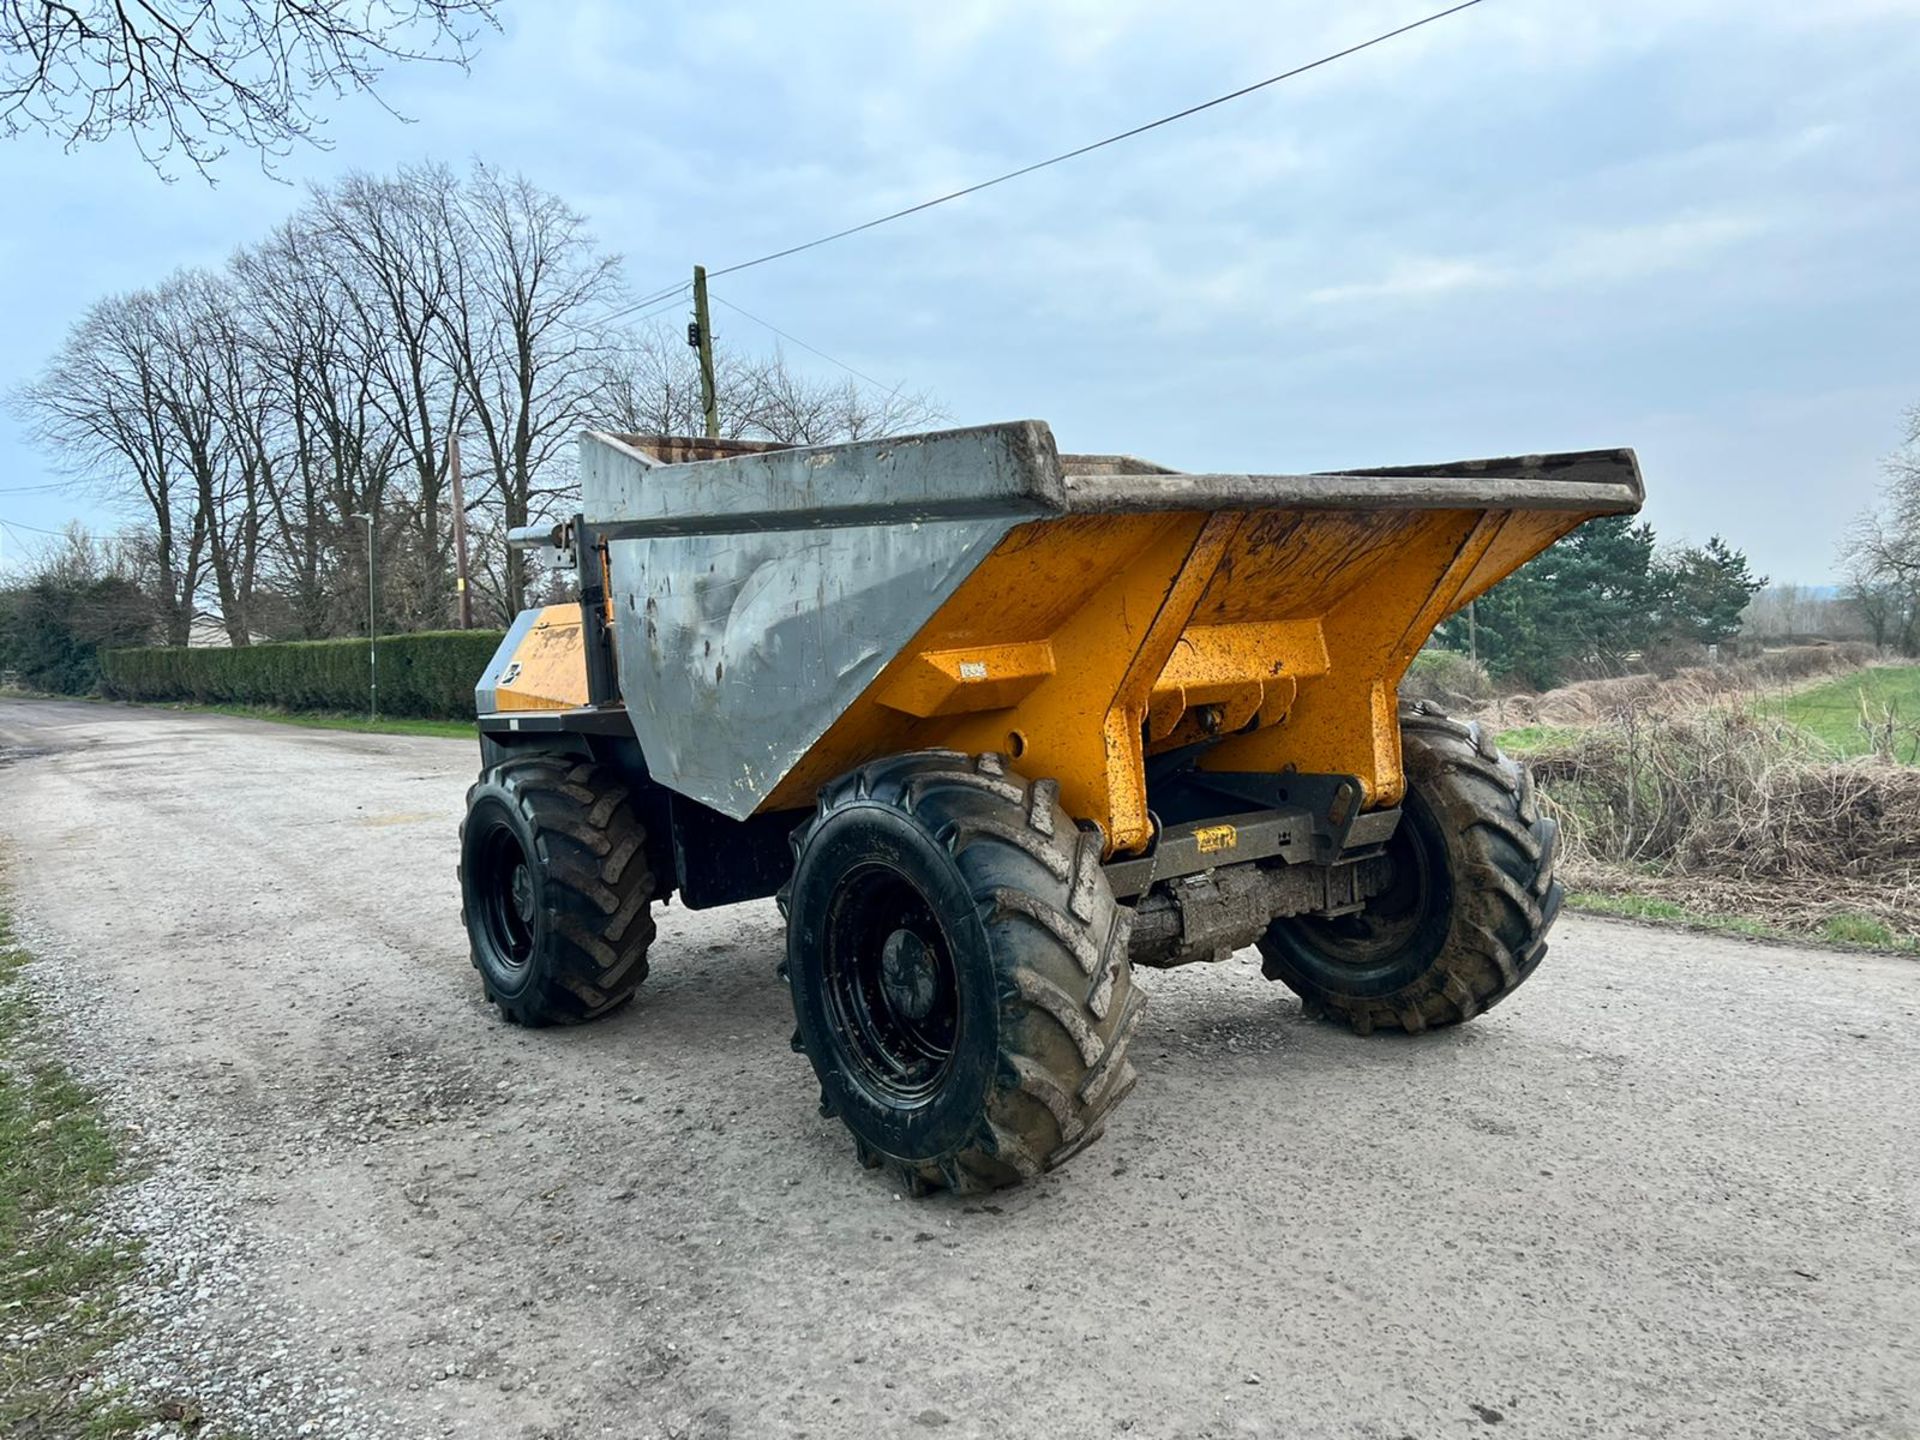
pixel 1671 1188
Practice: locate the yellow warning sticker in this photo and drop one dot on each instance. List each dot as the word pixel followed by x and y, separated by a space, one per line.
pixel 1216 837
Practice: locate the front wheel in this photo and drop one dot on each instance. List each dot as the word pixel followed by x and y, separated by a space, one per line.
pixel 959 971
pixel 1464 920
pixel 555 889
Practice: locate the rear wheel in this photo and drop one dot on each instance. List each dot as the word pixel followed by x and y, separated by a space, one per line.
pixel 959 971
pixel 1463 922
pixel 555 889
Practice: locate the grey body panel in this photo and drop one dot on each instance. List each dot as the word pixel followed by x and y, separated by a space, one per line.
pixel 758 591
pixel 991 470
pixel 763 593
pixel 1599 481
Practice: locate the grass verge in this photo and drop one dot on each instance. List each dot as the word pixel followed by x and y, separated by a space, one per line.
pixel 59 1276
pixel 312 719
pixel 329 720
pixel 1852 932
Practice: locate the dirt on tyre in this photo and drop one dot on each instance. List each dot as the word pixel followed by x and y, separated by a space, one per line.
pixel 1464 920
pixel 959 972
pixel 555 889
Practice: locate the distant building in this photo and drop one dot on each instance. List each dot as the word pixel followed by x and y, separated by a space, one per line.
pixel 209 632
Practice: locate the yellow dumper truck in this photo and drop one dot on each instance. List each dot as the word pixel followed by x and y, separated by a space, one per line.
pixel 996 726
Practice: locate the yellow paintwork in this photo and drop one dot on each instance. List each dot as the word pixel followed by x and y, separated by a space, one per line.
pixel 552 665
pixel 1083 644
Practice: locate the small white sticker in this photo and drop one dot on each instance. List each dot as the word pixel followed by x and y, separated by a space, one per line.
pixel 973 669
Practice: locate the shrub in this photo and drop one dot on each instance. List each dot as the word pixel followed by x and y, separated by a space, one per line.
pixel 1720 792
pixel 430 674
pixel 1447 678
pixel 53 631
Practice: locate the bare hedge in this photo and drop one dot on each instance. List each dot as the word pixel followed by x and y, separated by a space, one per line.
pixel 429 674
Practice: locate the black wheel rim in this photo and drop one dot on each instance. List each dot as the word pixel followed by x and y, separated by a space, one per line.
pixel 504 886
pixel 892 992
pixel 1395 920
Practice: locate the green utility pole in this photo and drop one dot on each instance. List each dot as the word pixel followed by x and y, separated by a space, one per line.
pixel 373 627
pixel 700 336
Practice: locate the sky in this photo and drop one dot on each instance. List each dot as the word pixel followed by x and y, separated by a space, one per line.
pixel 1687 226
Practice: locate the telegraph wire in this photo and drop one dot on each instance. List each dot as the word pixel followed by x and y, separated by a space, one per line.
pixel 671 295
pixel 1073 154
pixel 35 529
pixel 810 349
pixel 672 304
pixel 1097 144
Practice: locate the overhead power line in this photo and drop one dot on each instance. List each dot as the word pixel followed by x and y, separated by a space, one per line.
pixel 1065 155
pixel 1095 145
pixel 35 529
pixel 672 304
pixel 671 295
pixel 810 349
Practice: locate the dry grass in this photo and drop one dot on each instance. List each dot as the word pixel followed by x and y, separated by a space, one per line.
pixel 1714 807
pixel 1594 702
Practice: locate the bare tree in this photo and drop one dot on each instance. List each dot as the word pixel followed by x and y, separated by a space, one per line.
pixel 253 415
pixel 192 77
pixel 1882 553
pixel 198 387
pixel 797 409
pixel 322 372
pixel 529 286
pixel 389 245
pixel 651 385
pixel 98 407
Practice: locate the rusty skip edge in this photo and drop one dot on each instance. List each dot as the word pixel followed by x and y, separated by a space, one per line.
pixel 1014 470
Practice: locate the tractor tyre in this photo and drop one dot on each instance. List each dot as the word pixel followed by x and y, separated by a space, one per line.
pixel 959 971
pixel 1463 921
pixel 555 889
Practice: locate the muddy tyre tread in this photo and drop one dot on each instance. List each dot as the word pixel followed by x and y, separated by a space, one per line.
pixel 1505 895
pixel 1067 1001
pixel 598 888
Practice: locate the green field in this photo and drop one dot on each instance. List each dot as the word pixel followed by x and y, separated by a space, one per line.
pixel 1833 712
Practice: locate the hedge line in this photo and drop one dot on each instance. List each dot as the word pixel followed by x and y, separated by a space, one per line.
pixel 431 674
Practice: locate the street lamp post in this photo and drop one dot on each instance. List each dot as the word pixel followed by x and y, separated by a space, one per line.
pixel 373 627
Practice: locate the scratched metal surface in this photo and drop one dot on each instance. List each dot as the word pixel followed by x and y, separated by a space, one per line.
pixel 756 595
pixel 737 649
pixel 983 471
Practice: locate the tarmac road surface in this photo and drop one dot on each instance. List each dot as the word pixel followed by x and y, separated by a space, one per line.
pixel 1671 1188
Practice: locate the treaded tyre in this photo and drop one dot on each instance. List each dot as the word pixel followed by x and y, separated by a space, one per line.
pixel 554 889
pixel 959 971
pixel 1464 921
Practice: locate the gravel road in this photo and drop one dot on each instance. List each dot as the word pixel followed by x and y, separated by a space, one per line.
pixel 1672 1188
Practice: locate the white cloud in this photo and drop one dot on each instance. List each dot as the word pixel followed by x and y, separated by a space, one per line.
pixel 1685 199
pixel 1420 277
pixel 1593 257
